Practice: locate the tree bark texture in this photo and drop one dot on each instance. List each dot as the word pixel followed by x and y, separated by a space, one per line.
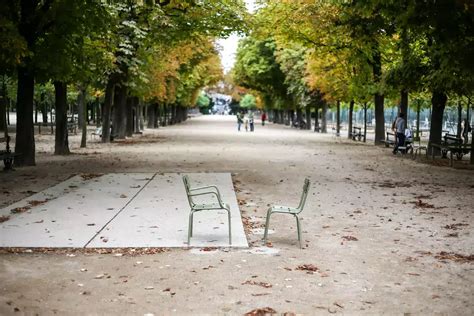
pixel 438 104
pixel 308 118
pixel 82 107
pixel 458 133
pixel 365 122
pixel 130 105
pixel 107 109
pixel 61 144
pixel 3 108
pixel 338 118
pixel 378 100
pixel 25 140
pixel 299 118
pixel 404 102
pixel 120 112
pixel 351 114
pixel 150 116
pixel 324 121
pixel 316 120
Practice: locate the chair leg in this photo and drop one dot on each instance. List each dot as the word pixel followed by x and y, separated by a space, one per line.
pixel 190 228
pixel 230 228
pixel 298 227
pixel 267 223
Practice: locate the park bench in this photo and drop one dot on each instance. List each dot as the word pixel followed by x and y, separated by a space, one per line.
pixel 356 133
pixel 45 125
pixel 215 203
pixel 289 210
pixel 390 139
pixel 7 155
pixel 457 150
pixel 450 140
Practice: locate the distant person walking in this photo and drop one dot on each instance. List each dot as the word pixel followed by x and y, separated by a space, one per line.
pixel 246 123
pixel 251 122
pixel 399 129
pixel 239 120
pixel 264 118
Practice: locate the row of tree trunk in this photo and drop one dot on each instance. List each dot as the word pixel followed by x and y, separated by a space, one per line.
pixel 295 117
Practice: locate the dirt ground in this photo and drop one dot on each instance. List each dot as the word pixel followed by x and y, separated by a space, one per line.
pixel 382 233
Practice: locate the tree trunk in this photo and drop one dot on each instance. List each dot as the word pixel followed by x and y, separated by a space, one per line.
pixel 338 118
pixel 130 104
pixel 404 102
pixel 299 118
pixel 98 112
pixel 3 108
pixel 378 100
pixel 365 122
pixel 324 121
pixel 35 104
pixel 150 116
pixel 136 125
pixel 25 140
pixel 120 112
pixel 107 109
pixel 61 144
pixel 9 106
pixel 316 121
pixel 418 108
pixel 459 119
pixel 141 119
pixel 438 103
pixel 308 118
pixel 351 113
pixel 82 107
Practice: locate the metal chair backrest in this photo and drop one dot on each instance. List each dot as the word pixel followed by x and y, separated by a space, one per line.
pixel 188 190
pixel 304 195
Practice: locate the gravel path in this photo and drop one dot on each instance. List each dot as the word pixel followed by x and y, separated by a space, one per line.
pixel 382 233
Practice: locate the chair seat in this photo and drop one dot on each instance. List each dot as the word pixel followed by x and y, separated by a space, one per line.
pixel 209 206
pixel 284 209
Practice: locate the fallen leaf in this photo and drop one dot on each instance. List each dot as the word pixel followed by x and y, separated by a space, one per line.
pixel 307 267
pixel 349 238
pixel 262 284
pixel 261 311
pixel 17 210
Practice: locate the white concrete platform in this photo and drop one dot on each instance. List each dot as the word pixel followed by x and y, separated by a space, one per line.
pixel 122 210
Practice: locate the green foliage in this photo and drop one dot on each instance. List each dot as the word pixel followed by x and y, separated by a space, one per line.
pixel 202 100
pixel 257 68
pixel 248 102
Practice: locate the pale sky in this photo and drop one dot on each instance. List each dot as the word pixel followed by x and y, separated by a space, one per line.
pixel 228 46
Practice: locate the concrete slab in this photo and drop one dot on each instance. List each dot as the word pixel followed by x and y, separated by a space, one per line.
pixel 120 210
pixel 158 217
pixel 70 213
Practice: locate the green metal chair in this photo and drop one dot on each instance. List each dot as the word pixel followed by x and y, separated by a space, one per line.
pixel 197 207
pixel 289 210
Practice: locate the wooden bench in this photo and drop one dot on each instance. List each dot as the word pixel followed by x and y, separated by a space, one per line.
pixel 390 139
pixel 7 155
pixel 450 140
pixel 457 150
pixel 356 133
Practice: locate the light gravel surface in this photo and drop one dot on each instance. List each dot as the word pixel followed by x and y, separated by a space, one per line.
pixel 384 234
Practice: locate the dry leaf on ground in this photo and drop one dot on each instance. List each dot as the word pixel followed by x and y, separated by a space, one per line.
pixel 261 311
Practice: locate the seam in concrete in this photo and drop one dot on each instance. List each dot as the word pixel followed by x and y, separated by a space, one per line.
pixel 120 211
